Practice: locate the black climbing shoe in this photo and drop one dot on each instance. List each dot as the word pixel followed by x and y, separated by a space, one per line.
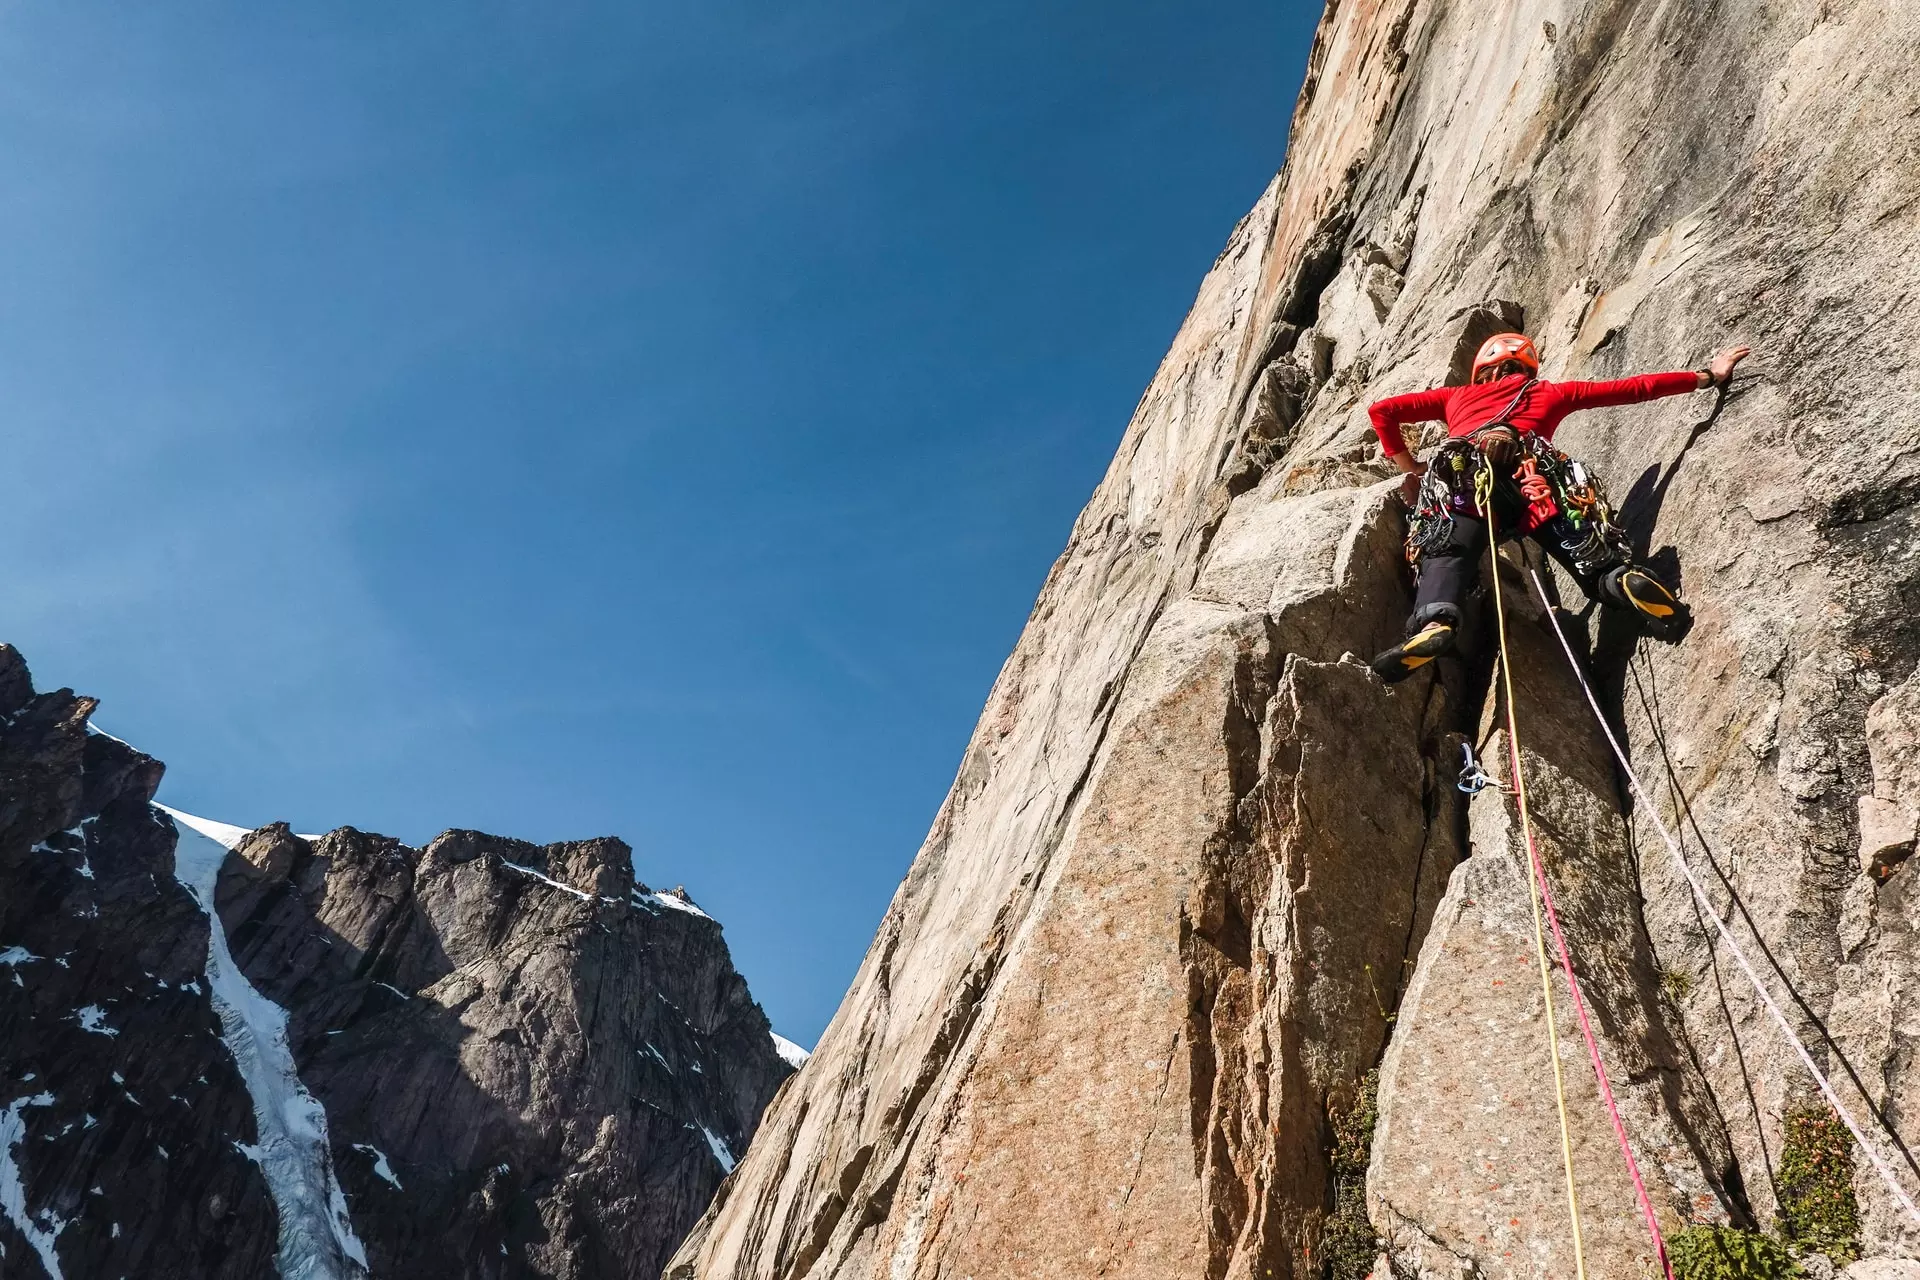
pixel 1658 608
pixel 1416 651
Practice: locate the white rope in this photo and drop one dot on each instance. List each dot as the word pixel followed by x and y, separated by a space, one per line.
pixel 1706 905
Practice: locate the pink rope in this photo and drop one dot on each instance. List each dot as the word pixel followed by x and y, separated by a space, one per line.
pixel 1712 913
pixel 1586 1030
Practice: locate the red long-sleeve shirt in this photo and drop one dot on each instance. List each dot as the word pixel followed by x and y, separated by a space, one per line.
pixel 1466 409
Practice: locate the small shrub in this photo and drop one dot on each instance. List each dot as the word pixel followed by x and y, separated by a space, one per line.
pixel 1353 1130
pixel 1728 1253
pixel 1348 1245
pixel 1677 983
pixel 1818 1212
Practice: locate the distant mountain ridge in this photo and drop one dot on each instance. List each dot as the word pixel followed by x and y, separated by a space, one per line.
pixel 484 1058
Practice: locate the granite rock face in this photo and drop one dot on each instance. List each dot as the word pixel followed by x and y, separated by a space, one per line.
pixel 1468 1144
pixel 1200 872
pixel 480 1059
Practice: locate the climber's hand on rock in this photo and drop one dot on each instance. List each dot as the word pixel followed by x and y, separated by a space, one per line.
pixel 1721 367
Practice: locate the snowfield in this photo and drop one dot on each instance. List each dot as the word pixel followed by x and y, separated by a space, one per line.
pixel 795 1056
pixel 317 1241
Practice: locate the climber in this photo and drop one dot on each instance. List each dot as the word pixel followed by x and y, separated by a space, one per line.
pixel 1504 419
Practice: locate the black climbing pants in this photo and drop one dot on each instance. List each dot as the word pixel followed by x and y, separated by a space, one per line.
pixel 1449 573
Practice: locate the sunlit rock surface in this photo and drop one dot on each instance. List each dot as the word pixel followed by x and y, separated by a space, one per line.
pixel 1182 896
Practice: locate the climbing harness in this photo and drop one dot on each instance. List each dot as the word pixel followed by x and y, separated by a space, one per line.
pixel 1474 779
pixel 1554 494
pixel 1726 934
pixel 1451 484
pixel 1541 894
pixel 1445 489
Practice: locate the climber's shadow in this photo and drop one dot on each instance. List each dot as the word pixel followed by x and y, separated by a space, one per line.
pixel 1640 516
pixel 1640 511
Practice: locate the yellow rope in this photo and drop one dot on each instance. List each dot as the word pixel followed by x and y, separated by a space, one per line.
pixel 1483 492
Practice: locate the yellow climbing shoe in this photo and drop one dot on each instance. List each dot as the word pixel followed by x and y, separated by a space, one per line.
pixel 1662 614
pixel 1416 651
pixel 1648 594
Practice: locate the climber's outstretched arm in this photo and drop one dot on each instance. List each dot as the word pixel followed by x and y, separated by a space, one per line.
pixel 1649 386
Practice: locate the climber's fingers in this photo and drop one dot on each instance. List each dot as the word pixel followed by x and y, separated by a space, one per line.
pixel 1724 360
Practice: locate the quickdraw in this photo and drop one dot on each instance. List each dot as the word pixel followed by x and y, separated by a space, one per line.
pixel 1474 779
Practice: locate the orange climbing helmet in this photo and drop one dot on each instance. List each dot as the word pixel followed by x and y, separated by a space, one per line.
pixel 1501 347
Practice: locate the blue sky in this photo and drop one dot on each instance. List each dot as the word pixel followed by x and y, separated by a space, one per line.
pixel 592 418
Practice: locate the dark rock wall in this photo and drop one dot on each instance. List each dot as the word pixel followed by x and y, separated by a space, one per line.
pixel 527 1059
pixel 122 1107
pixel 530 1065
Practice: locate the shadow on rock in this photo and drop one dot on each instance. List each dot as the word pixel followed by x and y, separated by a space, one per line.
pixel 530 1065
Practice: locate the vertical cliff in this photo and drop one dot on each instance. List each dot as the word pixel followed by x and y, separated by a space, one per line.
pixel 529 1063
pixel 112 1064
pixel 1200 873
pixel 230 1054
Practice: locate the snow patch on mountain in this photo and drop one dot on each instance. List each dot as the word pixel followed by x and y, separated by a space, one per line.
pixel 317 1240
pixel 93 1018
pixel 381 1169
pixel 719 1149
pixel 679 901
pixel 45 1232
pixel 791 1053
pixel 546 880
pixel 99 732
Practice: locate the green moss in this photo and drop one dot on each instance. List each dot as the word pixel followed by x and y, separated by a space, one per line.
pixel 1348 1245
pixel 1353 1130
pixel 1728 1253
pixel 1818 1213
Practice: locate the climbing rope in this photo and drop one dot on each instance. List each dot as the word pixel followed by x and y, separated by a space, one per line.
pixel 1542 894
pixel 1726 934
pixel 1682 810
pixel 1484 495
